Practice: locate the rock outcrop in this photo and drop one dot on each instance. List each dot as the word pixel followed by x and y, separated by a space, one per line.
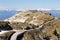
pixel 31 25
pixel 29 19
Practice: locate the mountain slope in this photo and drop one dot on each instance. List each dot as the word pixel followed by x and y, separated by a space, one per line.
pixel 28 18
pixel 31 25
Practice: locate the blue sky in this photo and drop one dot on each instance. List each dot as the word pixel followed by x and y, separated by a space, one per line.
pixel 29 4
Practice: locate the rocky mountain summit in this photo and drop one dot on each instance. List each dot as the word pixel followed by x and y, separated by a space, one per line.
pixel 30 25
pixel 29 19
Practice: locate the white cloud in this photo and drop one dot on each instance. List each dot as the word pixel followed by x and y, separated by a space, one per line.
pixel 44 9
pixel 23 9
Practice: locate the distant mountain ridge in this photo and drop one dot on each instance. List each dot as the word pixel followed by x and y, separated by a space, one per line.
pixel 53 12
pixel 4 14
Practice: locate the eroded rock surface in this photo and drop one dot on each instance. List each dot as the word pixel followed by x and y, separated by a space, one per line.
pixel 32 25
